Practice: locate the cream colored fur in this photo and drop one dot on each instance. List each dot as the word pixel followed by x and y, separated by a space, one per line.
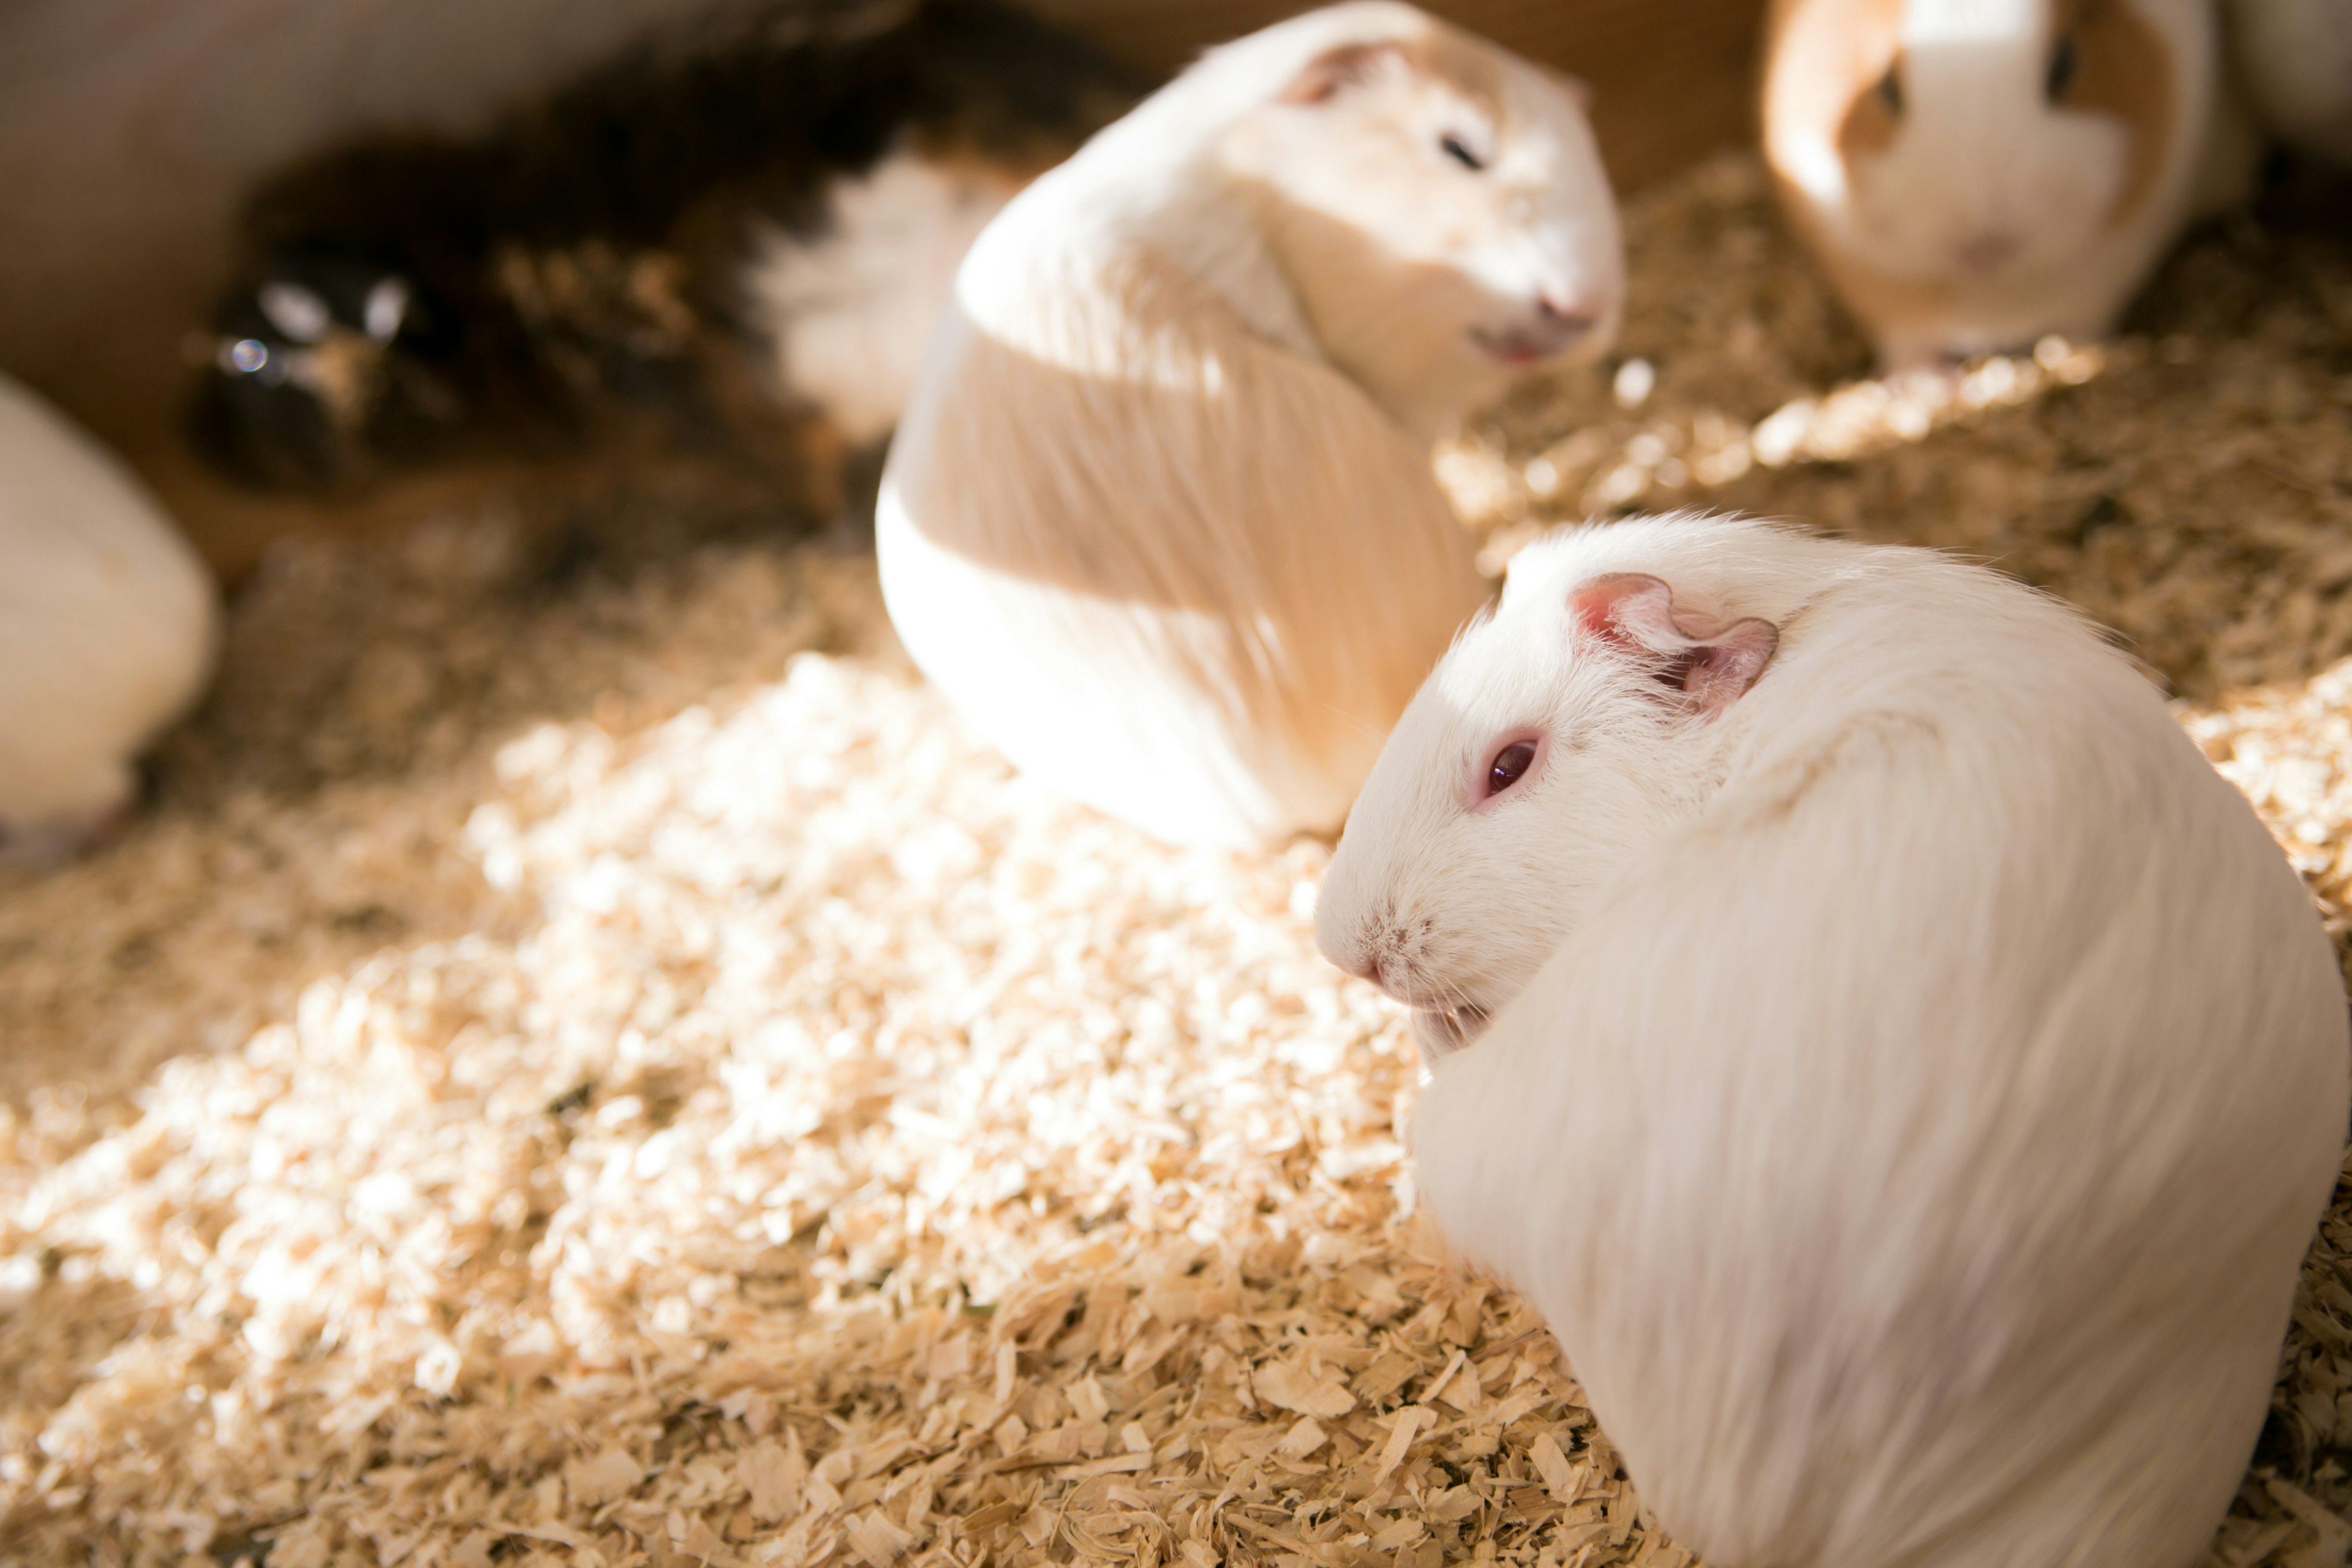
pixel 2295 56
pixel 849 312
pixel 1159 518
pixel 1909 1093
pixel 107 626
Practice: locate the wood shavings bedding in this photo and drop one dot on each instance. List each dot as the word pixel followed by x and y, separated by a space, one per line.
pixel 602 1068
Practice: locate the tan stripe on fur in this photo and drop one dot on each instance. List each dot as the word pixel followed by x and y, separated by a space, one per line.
pixel 2124 70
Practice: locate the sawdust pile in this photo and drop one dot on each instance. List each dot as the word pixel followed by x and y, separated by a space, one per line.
pixel 595 1065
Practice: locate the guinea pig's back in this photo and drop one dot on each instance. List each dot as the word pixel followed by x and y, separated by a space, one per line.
pixel 1111 509
pixel 107 619
pixel 1919 1153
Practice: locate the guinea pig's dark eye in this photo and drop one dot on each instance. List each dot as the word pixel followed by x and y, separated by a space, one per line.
pixel 2062 64
pixel 1510 766
pixel 1890 89
pixel 1459 151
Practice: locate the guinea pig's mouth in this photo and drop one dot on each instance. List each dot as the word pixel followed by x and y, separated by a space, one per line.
pixel 1550 332
pixel 1441 1031
pixel 1525 346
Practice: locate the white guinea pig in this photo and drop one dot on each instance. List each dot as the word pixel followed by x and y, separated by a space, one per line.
pixel 107 629
pixel 1159 519
pixel 1973 174
pixel 2295 58
pixel 1904 1073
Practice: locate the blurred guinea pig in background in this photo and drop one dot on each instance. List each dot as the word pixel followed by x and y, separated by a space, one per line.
pixel 1974 173
pixel 1160 520
pixel 726 235
pixel 108 625
pixel 2295 56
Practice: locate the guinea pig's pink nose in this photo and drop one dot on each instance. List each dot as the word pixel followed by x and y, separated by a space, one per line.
pixel 1988 252
pixel 1565 310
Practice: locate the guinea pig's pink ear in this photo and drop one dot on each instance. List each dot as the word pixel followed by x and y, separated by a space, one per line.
pixel 1628 607
pixel 1709 665
pixel 1718 671
pixel 1338 67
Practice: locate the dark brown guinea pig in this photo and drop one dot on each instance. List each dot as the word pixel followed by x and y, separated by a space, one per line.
pixel 716 232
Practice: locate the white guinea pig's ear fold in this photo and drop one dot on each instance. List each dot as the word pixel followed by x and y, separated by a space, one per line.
pixel 1718 671
pixel 1334 69
pixel 1706 663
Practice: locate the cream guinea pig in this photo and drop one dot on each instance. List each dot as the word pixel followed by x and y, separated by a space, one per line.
pixel 1159 518
pixel 2294 58
pixel 107 630
pixel 1904 1073
pixel 1974 173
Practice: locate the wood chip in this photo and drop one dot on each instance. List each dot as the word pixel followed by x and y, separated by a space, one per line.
pixel 1289 1387
pixel 1558 1476
pixel 1408 1422
pixel 608 1476
pixel 773 1478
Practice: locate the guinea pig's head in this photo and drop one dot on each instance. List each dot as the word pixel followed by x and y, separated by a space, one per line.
pixel 1966 150
pixel 1580 722
pixel 1440 209
pixel 313 359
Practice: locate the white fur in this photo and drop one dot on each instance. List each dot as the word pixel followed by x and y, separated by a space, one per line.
pixel 1159 520
pixel 1965 22
pixel 107 626
pixel 849 311
pixel 1983 163
pixel 2297 59
pixel 1909 1091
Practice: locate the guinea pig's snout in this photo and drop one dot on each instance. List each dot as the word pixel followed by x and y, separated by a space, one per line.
pixel 1387 952
pixel 1364 946
pixel 1361 952
pixel 1987 252
pixel 1558 320
pixel 1568 312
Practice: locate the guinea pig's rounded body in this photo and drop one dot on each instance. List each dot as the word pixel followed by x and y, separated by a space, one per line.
pixel 1974 173
pixel 1159 519
pixel 1917 1088
pixel 106 628
pixel 2295 56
